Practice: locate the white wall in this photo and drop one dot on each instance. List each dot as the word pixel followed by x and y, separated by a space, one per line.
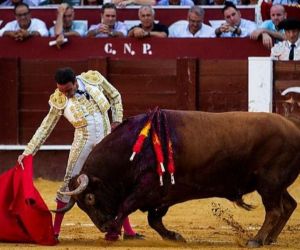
pixel 260 84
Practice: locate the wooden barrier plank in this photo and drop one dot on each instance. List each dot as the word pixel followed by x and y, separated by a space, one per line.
pixel 223 91
pixel 224 84
pixel 286 74
pixel 286 70
pixel 97 63
pixel 9 78
pixel 145 83
pixel 151 67
pixel 49 165
pixel 220 68
pixel 62 134
pixel 186 82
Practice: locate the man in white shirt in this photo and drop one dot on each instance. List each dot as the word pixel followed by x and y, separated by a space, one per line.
pixel 289 49
pixel 193 27
pixel 109 26
pixel 234 25
pixel 148 27
pixel 16 2
pixel 65 24
pixel 24 26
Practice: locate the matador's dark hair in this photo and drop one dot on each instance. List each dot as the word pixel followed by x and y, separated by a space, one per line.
pixel 65 75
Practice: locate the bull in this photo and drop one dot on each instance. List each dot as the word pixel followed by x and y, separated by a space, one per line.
pixel 216 155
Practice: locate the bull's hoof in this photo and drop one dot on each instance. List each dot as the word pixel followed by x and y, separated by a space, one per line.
pixel 179 237
pixel 254 244
pixel 270 241
pixel 136 236
pixel 111 236
pixel 173 236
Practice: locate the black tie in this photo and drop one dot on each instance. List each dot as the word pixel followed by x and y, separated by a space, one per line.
pixel 86 94
pixel 291 55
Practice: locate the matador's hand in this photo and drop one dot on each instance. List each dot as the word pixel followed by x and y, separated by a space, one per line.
pixel 20 160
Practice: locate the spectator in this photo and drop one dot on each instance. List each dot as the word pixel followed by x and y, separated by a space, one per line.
pixel 124 3
pixel 222 2
pixel 249 2
pixel 24 26
pixel 234 25
pixel 269 28
pixel 147 27
pixel 92 2
pixel 65 25
pixel 286 2
pixel 289 49
pixel 193 27
pixel 176 2
pixel 109 26
pixel 16 2
pixel 56 2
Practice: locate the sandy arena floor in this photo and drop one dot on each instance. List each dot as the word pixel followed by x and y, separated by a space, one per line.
pixel 201 222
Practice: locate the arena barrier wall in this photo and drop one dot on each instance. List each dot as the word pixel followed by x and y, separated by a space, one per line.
pixel 193 83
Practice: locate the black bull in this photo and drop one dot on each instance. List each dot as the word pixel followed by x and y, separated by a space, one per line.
pixel 216 155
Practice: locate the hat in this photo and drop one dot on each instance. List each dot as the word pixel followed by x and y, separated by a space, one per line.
pixel 289 24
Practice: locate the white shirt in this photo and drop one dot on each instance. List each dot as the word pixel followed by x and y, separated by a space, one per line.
pixel 118 27
pixel 181 29
pixel 246 26
pixel 35 25
pixel 281 51
pixel 29 2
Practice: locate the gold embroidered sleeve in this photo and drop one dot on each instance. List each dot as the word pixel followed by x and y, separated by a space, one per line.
pixel 43 131
pixel 115 100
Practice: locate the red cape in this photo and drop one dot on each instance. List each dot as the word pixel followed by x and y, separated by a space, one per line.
pixel 24 216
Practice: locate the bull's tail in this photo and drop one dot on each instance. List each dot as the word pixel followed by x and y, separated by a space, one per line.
pixel 240 202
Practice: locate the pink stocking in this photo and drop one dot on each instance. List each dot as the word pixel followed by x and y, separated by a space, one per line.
pixel 58 217
pixel 127 227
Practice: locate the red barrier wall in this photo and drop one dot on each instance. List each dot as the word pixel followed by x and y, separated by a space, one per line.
pixel 149 48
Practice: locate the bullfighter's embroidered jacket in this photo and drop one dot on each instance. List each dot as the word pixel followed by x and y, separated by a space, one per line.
pixel 77 108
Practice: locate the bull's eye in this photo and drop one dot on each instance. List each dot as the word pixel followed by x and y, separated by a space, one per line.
pixel 89 199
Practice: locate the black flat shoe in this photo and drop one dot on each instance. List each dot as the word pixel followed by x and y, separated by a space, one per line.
pixel 56 236
pixel 136 236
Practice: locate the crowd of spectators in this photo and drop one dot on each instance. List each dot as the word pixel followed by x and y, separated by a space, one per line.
pixel 124 3
pixel 271 32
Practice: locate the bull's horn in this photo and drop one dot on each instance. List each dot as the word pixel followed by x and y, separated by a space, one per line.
pixel 83 181
pixel 291 89
pixel 66 208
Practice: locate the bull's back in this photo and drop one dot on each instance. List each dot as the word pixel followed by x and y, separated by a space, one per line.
pixel 201 138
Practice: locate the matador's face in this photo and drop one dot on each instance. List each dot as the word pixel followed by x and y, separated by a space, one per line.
pixel 68 89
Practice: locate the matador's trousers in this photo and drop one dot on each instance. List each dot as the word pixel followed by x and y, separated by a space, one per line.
pixel 85 139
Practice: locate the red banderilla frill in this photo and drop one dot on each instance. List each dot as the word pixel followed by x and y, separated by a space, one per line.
pixel 149 126
pixel 171 165
pixel 140 141
pixel 159 155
